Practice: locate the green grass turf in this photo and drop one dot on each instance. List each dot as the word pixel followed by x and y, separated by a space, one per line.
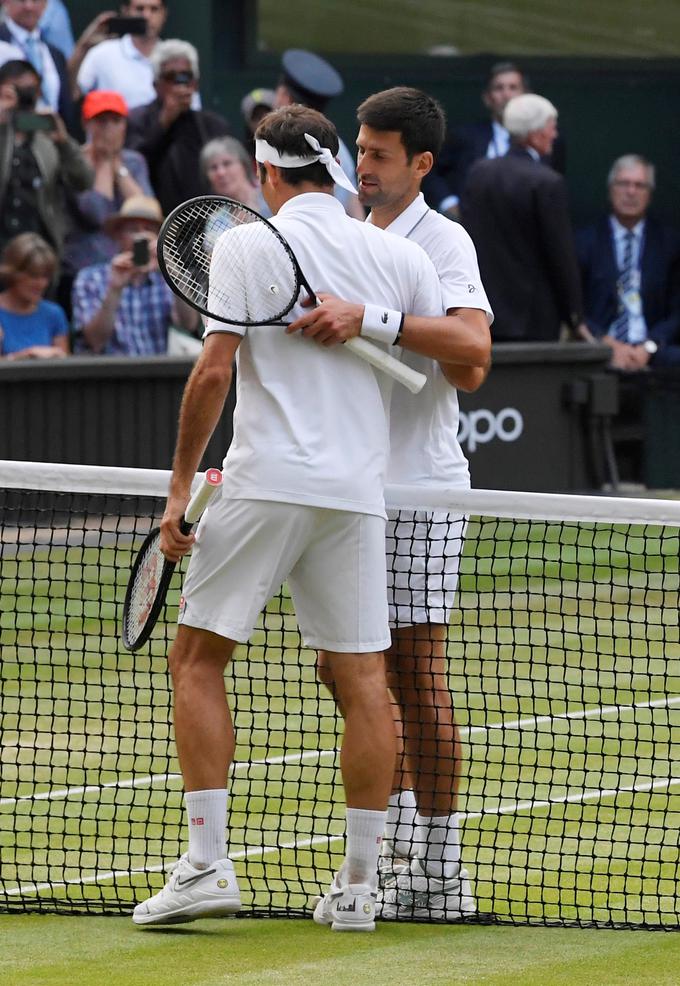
pixel 611 27
pixel 61 951
pixel 552 618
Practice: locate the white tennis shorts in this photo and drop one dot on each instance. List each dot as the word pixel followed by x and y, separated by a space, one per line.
pixel 423 559
pixel 333 560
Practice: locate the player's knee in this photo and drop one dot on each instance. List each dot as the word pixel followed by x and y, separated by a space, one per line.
pixel 324 672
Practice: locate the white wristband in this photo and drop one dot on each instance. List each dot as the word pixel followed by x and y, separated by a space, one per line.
pixel 381 324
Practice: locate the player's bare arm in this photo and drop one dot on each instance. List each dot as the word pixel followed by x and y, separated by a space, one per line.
pixel 202 405
pixel 461 337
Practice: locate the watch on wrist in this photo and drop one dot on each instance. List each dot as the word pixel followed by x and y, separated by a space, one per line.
pixel 123 172
pixel 650 346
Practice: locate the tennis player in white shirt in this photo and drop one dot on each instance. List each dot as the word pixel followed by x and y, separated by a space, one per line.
pixel 401 131
pixel 302 502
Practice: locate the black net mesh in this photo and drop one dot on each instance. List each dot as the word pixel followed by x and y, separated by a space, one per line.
pixel 563 659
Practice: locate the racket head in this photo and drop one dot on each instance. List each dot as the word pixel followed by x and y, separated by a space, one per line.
pixel 228 262
pixel 146 591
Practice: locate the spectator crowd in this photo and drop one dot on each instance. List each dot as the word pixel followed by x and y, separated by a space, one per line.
pixel 102 135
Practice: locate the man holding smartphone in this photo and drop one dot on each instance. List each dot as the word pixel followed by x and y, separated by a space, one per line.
pixel 125 308
pixel 121 62
pixel 38 160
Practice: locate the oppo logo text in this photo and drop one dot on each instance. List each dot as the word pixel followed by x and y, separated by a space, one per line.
pixel 482 426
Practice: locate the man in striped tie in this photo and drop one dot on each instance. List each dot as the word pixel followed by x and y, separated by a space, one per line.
pixel 630 266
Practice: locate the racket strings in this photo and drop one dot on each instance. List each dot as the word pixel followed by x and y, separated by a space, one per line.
pixel 144 589
pixel 228 262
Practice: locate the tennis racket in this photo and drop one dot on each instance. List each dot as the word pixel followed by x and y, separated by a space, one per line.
pixel 250 277
pixel 151 572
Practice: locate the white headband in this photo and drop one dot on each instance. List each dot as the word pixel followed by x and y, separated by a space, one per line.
pixel 265 152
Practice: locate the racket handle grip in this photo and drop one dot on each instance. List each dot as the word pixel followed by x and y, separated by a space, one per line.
pixel 210 484
pixel 381 360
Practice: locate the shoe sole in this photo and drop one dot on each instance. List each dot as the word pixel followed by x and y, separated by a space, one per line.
pixel 194 912
pixel 368 926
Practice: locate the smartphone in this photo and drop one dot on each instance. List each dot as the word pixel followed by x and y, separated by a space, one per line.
pixel 30 122
pixel 140 252
pixel 126 25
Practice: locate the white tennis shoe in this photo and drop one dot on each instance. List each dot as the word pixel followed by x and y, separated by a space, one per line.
pixel 415 896
pixel 190 894
pixel 391 864
pixel 350 907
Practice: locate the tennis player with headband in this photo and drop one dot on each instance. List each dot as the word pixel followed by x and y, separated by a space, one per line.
pixel 302 501
pixel 401 132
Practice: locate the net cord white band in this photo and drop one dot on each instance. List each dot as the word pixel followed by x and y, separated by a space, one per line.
pixel 67 478
pixel 264 152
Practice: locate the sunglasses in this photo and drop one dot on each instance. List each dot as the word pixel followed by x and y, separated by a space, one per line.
pixel 178 78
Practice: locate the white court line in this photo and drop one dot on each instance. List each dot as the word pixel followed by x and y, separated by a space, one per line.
pixel 316 840
pixel 151 779
pixel 310 756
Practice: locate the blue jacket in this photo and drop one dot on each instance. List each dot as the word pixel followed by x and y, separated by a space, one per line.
pixel 659 283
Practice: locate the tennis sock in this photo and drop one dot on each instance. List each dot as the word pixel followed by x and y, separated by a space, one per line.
pixel 401 823
pixel 207 821
pixel 441 835
pixel 364 839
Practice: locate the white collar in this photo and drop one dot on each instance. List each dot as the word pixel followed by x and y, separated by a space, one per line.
pixel 407 220
pixel 311 200
pixel 130 50
pixel 20 33
pixel 620 230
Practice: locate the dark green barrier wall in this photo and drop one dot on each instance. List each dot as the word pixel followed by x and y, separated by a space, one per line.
pixel 607 107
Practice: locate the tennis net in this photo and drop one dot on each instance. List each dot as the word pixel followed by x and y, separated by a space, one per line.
pixel 564 657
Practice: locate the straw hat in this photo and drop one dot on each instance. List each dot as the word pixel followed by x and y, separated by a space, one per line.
pixel 136 207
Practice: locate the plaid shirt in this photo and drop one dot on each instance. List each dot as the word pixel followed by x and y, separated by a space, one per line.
pixel 142 319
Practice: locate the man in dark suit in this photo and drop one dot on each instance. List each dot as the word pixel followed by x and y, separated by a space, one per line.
pixel 20 29
pixel 630 269
pixel 515 209
pixel 484 139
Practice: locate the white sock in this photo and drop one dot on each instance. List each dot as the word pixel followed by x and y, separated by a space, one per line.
pixel 401 823
pixel 207 821
pixel 364 839
pixel 441 852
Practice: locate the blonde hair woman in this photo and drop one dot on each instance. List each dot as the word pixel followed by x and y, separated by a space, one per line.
pixel 30 327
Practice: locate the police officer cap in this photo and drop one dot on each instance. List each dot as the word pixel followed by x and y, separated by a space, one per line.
pixel 311 73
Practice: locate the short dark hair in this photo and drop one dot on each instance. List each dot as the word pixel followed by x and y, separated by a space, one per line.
pixel 501 68
pixel 418 117
pixel 16 67
pixel 285 128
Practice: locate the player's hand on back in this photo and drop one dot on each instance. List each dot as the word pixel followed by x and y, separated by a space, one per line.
pixel 331 322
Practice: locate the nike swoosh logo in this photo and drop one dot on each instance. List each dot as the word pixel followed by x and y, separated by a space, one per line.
pixel 194 879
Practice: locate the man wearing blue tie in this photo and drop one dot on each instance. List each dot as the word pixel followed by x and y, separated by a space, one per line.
pixel 20 28
pixel 630 267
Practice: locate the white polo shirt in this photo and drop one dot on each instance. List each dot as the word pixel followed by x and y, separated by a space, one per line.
pixel 116 64
pixel 424 427
pixel 311 423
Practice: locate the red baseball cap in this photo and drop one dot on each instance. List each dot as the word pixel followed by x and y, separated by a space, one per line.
pixel 103 101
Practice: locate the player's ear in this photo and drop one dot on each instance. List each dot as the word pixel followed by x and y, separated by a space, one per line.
pixel 424 162
pixel 273 174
